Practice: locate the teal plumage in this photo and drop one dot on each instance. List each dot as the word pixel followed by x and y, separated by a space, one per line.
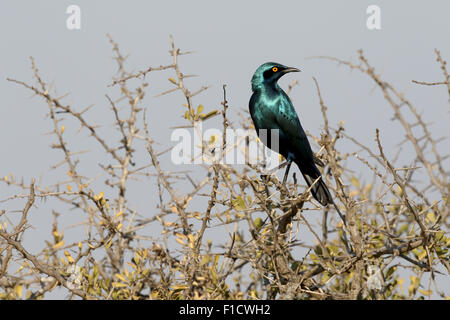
pixel 272 109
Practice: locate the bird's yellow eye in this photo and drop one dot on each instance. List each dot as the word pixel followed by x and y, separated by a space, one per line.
pixel 274 69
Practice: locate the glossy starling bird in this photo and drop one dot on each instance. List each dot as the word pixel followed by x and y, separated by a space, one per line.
pixel 271 108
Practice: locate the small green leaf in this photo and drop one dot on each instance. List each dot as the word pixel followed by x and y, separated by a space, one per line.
pixel 209 114
pixel 258 223
pixel 239 203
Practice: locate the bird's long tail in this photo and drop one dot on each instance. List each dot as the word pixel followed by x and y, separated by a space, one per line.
pixel 319 189
pixel 321 193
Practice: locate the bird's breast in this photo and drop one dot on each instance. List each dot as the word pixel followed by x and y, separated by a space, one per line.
pixel 264 113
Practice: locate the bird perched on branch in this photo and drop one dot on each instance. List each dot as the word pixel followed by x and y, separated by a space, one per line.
pixel 271 109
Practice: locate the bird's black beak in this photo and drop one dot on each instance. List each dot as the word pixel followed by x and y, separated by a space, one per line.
pixel 287 70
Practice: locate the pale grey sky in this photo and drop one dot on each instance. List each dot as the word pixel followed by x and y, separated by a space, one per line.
pixel 230 39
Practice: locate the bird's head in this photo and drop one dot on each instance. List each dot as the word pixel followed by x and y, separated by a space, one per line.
pixel 269 73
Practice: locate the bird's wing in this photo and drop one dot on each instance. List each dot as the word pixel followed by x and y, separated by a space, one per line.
pixel 287 120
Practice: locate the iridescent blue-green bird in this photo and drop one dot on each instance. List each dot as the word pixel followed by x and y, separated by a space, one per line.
pixel 271 109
